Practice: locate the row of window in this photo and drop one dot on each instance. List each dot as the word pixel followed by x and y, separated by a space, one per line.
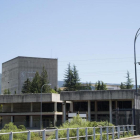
pixel 101 105
pixel 77 106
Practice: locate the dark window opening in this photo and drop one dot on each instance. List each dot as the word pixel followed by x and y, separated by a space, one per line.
pixel 124 104
pixel 103 105
pixel 113 105
pixel 59 107
pixel 92 106
pixel 80 106
pixel 47 107
pixel 67 107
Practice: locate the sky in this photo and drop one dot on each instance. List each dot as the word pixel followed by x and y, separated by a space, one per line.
pixel 97 36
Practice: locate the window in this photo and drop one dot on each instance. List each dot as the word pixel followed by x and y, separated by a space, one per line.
pixel 103 106
pixel 80 106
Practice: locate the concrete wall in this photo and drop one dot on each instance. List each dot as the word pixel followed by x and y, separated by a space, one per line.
pixel 10 73
pixel 28 98
pixel 97 95
pixel 17 70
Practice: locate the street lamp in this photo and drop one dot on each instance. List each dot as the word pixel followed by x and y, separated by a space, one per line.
pixel 41 105
pixel 136 36
pixel 135 62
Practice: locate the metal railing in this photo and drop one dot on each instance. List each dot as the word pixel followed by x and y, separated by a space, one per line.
pixel 114 131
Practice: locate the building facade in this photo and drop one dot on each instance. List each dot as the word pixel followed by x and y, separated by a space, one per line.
pixel 120 107
pixel 17 70
pixel 25 109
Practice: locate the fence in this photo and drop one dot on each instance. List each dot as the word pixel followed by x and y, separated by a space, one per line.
pixel 108 131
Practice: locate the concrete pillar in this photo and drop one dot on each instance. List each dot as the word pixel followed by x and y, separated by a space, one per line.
pixel 31 117
pixel 55 119
pixel 89 110
pixel 64 111
pixel 71 107
pixel 11 111
pixel 55 111
pixel 110 110
pixel 11 107
pixel 31 121
pixel 55 106
pixel 95 110
pixel 12 119
pixel 133 107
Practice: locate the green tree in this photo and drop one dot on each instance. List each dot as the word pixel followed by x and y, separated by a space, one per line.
pixel 100 85
pixel 7 91
pixel 59 90
pixel 129 81
pixel 71 80
pixel 36 84
pixel 76 79
pixel 68 81
pixel 128 84
pixel 122 86
pixel 26 86
pixel 44 80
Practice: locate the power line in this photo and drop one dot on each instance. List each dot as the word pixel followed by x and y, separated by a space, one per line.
pixel 100 59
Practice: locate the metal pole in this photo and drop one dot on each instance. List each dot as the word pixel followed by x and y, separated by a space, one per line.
pixel 135 59
pixel 135 39
pixel 41 106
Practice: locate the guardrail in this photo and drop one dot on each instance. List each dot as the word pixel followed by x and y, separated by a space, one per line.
pixel 108 130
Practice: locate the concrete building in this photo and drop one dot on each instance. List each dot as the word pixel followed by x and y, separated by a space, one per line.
pixel 115 106
pixel 25 109
pixel 120 107
pixel 17 70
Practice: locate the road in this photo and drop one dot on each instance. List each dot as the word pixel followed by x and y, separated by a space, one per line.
pixel 138 138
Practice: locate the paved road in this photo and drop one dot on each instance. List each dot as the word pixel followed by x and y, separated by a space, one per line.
pixel 134 138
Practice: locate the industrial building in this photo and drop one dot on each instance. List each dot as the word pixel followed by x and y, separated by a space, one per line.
pixel 17 70
pixel 25 109
pixel 120 107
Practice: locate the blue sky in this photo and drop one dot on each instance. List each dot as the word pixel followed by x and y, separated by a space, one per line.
pixel 95 35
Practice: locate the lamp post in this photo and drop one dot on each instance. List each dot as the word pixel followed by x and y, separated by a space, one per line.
pixel 136 36
pixel 41 106
pixel 135 62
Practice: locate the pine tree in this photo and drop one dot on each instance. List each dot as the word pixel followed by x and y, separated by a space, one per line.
pixel 26 87
pixel 129 81
pixel 128 84
pixel 76 79
pixel 68 81
pixel 100 85
pixel 36 84
pixel 122 86
pixel 44 80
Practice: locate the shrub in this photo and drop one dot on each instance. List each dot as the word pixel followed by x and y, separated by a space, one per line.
pixel 77 122
pixel 13 128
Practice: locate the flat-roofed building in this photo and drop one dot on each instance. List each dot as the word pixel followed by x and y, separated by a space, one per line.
pixel 17 70
pixel 119 107
pixel 25 109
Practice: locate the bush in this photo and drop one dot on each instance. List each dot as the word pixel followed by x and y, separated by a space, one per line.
pixel 77 122
pixel 13 128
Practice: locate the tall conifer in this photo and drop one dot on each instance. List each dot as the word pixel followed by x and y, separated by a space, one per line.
pixel 26 86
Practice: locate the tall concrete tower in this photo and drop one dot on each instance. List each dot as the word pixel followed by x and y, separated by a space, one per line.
pixel 17 70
